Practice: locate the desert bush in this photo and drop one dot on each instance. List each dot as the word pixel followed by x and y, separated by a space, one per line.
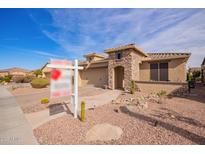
pixel 162 93
pixel 28 79
pixel 1 79
pixel 133 87
pixel 7 78
pixel 196 74
pixel 22 79
pixel 44 101
pixel 18 79
pixel 162 96
pixel 39 82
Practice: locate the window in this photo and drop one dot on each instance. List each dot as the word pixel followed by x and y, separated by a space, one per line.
pixel 163 71
pixel 154 71
pixel 118 55
pixel 159 71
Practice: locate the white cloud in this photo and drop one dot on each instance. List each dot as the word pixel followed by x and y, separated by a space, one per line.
pixel 186 36
pixel 47 54
pixel 79 31
pixel 25 52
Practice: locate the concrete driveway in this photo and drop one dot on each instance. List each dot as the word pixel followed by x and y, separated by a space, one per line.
pixel 14 128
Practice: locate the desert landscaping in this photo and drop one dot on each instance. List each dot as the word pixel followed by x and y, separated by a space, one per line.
pixel 112 116
pixel 174 121
pixel 131 118
pixel 143 112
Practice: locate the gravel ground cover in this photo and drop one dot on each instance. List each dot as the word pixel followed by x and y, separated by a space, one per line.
pixel 175 121
pixel 29 98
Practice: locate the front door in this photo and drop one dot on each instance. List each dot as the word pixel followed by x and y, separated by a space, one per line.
pixel 119 77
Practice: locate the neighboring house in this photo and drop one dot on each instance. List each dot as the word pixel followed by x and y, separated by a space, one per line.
pixel 203 70
pixel 194 69
pixel 46 71
pixel 15 71
pixel 3 73
pixel 126 63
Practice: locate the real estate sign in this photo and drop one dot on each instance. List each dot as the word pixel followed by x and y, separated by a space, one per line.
pixel 61 78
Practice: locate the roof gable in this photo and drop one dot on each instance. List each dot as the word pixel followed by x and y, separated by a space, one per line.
pixel 125 47
pixel 93 55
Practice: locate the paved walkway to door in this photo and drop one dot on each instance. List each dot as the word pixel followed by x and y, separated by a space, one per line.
pixel 14 128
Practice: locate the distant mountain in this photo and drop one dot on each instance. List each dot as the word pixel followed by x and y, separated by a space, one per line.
pixel 15 69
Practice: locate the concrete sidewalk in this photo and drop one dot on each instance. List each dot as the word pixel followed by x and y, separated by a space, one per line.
pixel 14 128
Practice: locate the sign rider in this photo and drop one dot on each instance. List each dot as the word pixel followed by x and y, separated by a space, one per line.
pixel 61 81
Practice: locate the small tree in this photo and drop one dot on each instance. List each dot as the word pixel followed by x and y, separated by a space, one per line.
pixel 37 72
pixel 196 74
pixel 7 78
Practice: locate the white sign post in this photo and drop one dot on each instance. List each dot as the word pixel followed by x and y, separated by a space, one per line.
pixel 76 88
pixel 64 65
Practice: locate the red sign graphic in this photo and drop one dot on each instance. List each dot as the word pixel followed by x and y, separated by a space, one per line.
pixel 55 74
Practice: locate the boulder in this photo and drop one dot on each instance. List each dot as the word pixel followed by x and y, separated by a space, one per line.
pixel 104 132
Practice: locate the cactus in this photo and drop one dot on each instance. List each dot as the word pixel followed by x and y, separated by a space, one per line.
pixel 82 111
pixel 133 87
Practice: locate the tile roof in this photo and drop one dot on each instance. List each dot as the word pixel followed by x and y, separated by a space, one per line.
pixel 166 55
pixel 124 47
pixel 94 55
pixel 105 60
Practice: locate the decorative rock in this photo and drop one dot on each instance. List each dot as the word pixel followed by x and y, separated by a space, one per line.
pixel 104 132
pixel 116 110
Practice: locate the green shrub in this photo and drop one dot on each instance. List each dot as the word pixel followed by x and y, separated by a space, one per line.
pixel 196 74
pixel 1 79
pixel 37 72
pixel 39 82
pixel 7 78
pixel 133 87
pixel 162 93
pixel 44 101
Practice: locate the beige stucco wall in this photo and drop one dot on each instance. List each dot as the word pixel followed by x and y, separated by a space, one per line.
pixel 93 58
pixel 157 87
pixel 176 72
pixel 46 72
pixel 94 76
pixel 136 60
pixel 97 58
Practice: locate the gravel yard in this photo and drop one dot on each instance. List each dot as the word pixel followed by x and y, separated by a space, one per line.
pixel 29 98
pixel 176 121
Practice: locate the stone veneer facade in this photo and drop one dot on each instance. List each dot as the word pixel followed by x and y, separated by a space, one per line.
pixel 130 62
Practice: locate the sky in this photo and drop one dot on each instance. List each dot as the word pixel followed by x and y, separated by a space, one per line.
pixel 31 37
